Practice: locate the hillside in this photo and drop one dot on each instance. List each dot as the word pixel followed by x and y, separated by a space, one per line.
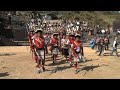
pixel 94 17
pixel 102 18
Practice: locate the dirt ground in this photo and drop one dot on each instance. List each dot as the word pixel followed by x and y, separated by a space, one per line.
pixel 17 63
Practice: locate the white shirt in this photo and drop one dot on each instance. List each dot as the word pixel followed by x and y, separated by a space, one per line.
pixel 78 23
pixel 103 31
pixel 118 31
pixel 71 24
pixel 114 43
pixel 32 20
pixel 47 39
pixel 63 42
pixel 9 14
pixel 77 27
pixel 33 39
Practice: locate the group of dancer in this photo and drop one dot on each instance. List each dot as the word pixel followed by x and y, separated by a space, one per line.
pixel 68 44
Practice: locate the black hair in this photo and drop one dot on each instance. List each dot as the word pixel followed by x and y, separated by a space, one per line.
pixel 77 36
pixel 72 35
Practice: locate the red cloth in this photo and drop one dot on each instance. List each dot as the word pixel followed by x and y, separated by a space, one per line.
pixel 54 41
pixel 39 42
pixel 102 40
pixel 30 35
pixel 106 40
pixel 35 55
pixel 75 46
pixel 71 40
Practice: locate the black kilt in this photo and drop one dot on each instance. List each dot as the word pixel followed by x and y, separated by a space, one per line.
pixel 66 52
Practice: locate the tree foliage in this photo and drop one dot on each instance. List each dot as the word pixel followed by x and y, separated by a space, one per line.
pixel 103 18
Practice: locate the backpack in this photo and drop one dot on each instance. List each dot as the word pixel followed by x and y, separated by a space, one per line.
pixel 116 44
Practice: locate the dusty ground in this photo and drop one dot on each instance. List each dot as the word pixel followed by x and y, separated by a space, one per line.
pixel 17 63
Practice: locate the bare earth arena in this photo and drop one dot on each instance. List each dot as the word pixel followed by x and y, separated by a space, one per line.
pixel 17 63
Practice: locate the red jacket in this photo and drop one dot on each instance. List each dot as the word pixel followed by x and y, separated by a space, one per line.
pixel 54 41
pixel 39 42
pixel 75 46
pixel 71 40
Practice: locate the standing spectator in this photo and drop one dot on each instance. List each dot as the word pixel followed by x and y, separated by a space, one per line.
pixel 97 43
pixel 106 40
pixel 93 42
pixel 114 48
pixel 103 32
pixel 101 46
pixel 118 31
